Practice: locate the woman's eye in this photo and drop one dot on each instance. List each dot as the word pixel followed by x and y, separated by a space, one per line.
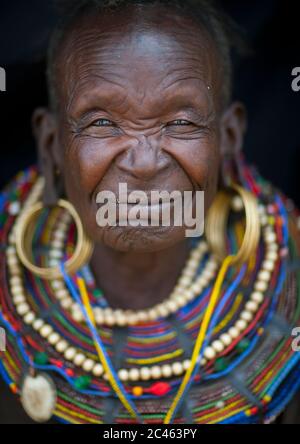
pixel 179 122
pixel 102 122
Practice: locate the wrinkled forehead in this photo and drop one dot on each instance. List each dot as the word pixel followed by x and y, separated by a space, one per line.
pixel 144 54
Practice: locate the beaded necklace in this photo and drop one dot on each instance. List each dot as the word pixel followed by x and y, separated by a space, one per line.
pixel 247 372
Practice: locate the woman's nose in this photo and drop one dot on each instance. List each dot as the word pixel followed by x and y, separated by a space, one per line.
pixel 143 160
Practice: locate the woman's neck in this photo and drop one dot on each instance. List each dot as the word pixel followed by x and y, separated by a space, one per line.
pixel 136 281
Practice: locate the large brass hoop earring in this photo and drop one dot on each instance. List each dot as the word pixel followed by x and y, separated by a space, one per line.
pixel 23 238
pixel 216 221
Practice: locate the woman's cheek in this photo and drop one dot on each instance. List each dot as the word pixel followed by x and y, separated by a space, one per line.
pixel 88 159
pixel 199 159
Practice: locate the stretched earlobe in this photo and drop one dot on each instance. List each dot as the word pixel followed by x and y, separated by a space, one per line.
pixel 233 128
pixel 46 135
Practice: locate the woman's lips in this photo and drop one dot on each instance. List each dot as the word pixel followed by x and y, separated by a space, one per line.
pixel 150 213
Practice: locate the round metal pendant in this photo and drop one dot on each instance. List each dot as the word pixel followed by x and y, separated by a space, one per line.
pixel 38 397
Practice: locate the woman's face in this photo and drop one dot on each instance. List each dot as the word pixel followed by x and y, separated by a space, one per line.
pixel 138 104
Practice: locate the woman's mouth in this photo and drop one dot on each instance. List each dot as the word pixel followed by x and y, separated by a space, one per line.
pixel 152 214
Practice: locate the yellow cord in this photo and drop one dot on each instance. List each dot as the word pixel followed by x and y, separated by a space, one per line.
pixel 201 336
pixel 87 305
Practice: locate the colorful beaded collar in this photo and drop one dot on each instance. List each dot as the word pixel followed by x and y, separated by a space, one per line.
pixel 248 371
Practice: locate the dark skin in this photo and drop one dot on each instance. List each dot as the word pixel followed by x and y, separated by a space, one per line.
pixel 139 101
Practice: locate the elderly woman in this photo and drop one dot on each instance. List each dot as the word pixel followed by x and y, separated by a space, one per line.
pixel 138 323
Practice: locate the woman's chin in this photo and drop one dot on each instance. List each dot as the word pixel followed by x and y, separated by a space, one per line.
pixel 141 239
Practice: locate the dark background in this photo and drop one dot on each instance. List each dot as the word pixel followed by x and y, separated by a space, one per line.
pixel 262 81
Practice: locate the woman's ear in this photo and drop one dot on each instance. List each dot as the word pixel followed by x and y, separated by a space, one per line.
pixel 49 153
pixel 233 127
